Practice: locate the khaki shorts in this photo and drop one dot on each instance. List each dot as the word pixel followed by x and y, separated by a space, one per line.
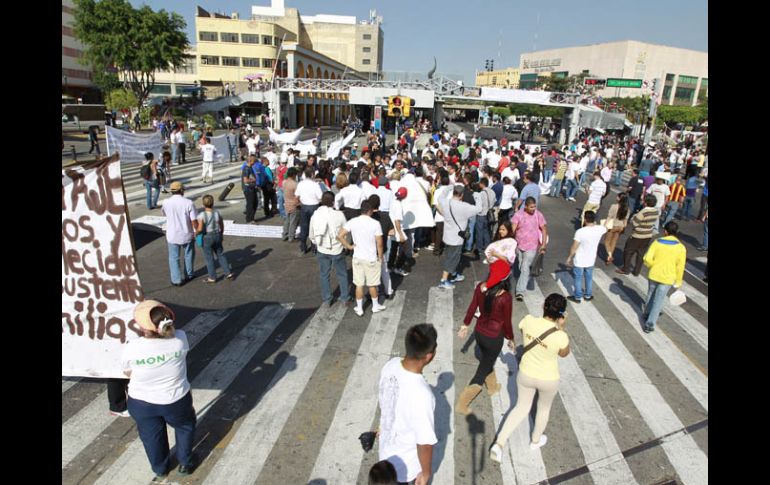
pixel 366 273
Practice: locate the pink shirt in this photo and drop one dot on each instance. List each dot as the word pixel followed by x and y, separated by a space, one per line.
pixel 506 247
pixel 527 232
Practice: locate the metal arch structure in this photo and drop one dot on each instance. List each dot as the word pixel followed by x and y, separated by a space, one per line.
pixel 441 86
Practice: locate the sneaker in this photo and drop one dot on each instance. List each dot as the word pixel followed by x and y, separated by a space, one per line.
pixel 359 311
pixel 446 284
pixel 458 278
pixel 621 271
pixel 378 308
pixel 121 414
pixel 519 297
pixel 160 478
pixel 539 444
pixel 573 299
pixel 429 247
pixel 588 298
pixel 648 329
pixel 184 469
pixel 400 272
pixel 496 453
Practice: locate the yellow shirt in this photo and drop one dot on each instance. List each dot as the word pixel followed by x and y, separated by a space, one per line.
pixel 541 361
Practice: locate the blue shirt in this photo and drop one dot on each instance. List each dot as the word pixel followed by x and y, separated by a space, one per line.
pixel 497 188
pixel 530 190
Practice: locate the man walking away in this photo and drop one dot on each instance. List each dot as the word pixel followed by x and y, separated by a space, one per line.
pixel 596 191
pixel 529 229
pixel 208 151
pixel 677 196
pixel 249 181
pixel 325 224
pixel 93 137
pixel 635 191
pixel 367 255
pixel 661 192
pixel 642 225
pixel 456 215
pixel 584 248
pixel 665 259
pixel 181 225
pixel 407 405
pixel 309 194
pixel 181 146
pixel 291 205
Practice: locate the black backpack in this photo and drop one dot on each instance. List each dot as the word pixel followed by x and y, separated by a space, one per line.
pixel 146 172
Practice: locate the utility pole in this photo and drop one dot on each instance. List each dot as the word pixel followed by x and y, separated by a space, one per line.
pixel 653 109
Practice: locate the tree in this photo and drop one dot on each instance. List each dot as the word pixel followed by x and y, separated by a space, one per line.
pixel 133 42
pixel 120 99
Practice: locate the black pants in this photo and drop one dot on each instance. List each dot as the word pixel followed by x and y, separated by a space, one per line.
pixel 94 145
pixel 438 234
pixel 117 394
pixel 269 199
pixel 633 247
pixel 306 212
pixel 250 192
pixel 180 148
pixel 351 213
pixel 490 349
pixel 397 256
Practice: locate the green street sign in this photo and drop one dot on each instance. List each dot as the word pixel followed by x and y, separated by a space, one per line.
pixel 624 83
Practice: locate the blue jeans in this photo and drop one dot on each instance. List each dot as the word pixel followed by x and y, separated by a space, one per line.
pixel 174 148
pixel 689 203
pixel 656 298
pixel 482 233
pixel 212 244
pixel 151 421
pixel 306 212
pixel 173 260
pixel 633 204
pixel 672 208
pixel 471 231
pixel 281 208
pixel 325 263
pixel 583 177
pixel 578 274
pixel 152 202
pixel 616 177
pixel 556 187
pixel 547 174
pixel 706 234
pixel 572 187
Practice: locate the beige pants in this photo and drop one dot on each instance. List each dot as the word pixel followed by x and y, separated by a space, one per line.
pixel 526 387
pixel 208 170
pixel 588 207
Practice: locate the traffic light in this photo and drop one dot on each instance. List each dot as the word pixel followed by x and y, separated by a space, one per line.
pixel 406 103
pixel 394 105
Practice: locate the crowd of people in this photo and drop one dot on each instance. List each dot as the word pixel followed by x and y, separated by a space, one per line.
pixel 458 197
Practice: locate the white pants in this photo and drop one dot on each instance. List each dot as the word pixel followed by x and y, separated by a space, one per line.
pixel 208 170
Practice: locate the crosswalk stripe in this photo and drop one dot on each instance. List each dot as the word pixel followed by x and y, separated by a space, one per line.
pixel 696 296
pixel 132 467
pixel 698 332
pixel 694 270
pixel 689 461
pixel 358 403
pixel 232 175
pixel 187 171
pixel 440 375
pixel 67 382
pixel 591 427
pixel 85 426
pixel 688 373
pixel 245 456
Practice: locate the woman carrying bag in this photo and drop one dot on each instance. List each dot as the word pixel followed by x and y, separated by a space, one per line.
pixel 494 301
pixel 544 342
pixel 158 390
pixel 211 229
pixel 617 219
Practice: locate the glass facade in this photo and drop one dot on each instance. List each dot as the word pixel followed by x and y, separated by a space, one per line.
pixel 250 38
pixel 208 36
pixel 528 81
pixel 689 80
pixel 250 61
pixel 230 61
pixel 229 37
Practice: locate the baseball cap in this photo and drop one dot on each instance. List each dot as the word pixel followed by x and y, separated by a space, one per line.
pixel 176 186
pixel 401 193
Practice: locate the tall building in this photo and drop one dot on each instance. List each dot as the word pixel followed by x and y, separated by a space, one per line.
pixel 76 78
pixel 683 72
pixel 502 78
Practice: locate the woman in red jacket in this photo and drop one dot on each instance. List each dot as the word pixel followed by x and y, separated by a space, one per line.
pixel 493 300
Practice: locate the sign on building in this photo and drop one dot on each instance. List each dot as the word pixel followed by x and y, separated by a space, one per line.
pixel 624 83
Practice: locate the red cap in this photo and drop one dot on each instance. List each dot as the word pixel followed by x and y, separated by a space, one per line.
pixel 474 163
pixel 498 271
pixel 401 193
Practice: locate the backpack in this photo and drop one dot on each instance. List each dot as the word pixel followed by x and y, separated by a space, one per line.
pixel 146 172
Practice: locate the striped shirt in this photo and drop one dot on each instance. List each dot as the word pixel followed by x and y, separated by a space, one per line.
pixel 644 222
pixel 677 192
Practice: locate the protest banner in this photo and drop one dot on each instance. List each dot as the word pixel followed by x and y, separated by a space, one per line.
pixel 335 148
pixel 227 147
pixel 290 137
pixel 133 146
pixel 100 283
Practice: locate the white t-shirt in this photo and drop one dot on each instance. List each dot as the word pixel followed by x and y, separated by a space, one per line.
pixel 493 160
pixel 407 408
pixel 589 238
pixel 598 189
pixel 158 368
pixel 573 169
pixel 251 144
pixel 363 230
pixel 511 173
pixel 442 192
pixel 386 196
pixel 509 193
pixel 308 192
pixel 350 196
pixel 368 190
pixel 396 214
pixel 208 150
pixel 273 159
pixel 660 191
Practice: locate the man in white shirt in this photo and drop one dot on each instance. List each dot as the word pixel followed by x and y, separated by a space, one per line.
pixel 252 143
pixel 325 224
pixel 181 225
pixel 181 146
pixel 596 191
pixel 584 247
pixel 350 197
pixel 662 192
pixel 571 178
pixel 367 189
pixel 368 251
pixel 272 158
pixel 407 404
pixel 208 151
pixel 493 158
pixel 456 216
pixel 309 194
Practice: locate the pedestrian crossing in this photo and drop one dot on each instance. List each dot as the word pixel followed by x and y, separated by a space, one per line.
pixel 600 426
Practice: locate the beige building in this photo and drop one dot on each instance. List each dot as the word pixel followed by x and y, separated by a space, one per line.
pixel 683 72
pixel 503 78
pixel 76 78
pixel 172 82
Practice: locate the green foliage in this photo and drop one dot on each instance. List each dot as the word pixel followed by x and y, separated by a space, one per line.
pixel 145 115
pixel 569 84
pixel 136 42
pixel 120 99
pixel 105 80
pixel 536 110
pixel 500 111
pixel 687 115
pixel 210 120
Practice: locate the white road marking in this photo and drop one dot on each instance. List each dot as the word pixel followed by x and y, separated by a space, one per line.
pixel 67 382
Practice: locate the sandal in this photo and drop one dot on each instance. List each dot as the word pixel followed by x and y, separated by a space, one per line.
pixel 209 280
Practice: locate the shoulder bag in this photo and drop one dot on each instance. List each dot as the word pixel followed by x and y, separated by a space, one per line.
pixel 535 342
pixel 199 236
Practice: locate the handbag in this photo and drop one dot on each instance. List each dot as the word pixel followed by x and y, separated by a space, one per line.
pixel 199 236
pixel 536 269
pixel 536 341
pixel 609 223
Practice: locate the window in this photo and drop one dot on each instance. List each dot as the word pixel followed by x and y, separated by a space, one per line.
pixel 666 93
pixel 366 62
pixel 66 51
pixel 494 80
pixel 66 31
pixel 210 60
pixel 367 49
pixel 586 71
pixel 267 39
pixel 189 67
pixel 208 36
pixel 267 63
pixel 367 36
pixel 230 61
pixel 250 61
pixel 684 94
pixel 669 77
pixel 161 89
pixel 250 38
pixel 229 37
pixel 688 80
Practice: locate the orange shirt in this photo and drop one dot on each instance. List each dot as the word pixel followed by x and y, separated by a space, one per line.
pixel 677 193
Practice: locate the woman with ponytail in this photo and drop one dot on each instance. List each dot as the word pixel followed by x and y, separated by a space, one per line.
pixel 493 323
pixel 158 390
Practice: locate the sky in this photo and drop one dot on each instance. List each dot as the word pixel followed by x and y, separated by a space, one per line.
pixel 463 34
